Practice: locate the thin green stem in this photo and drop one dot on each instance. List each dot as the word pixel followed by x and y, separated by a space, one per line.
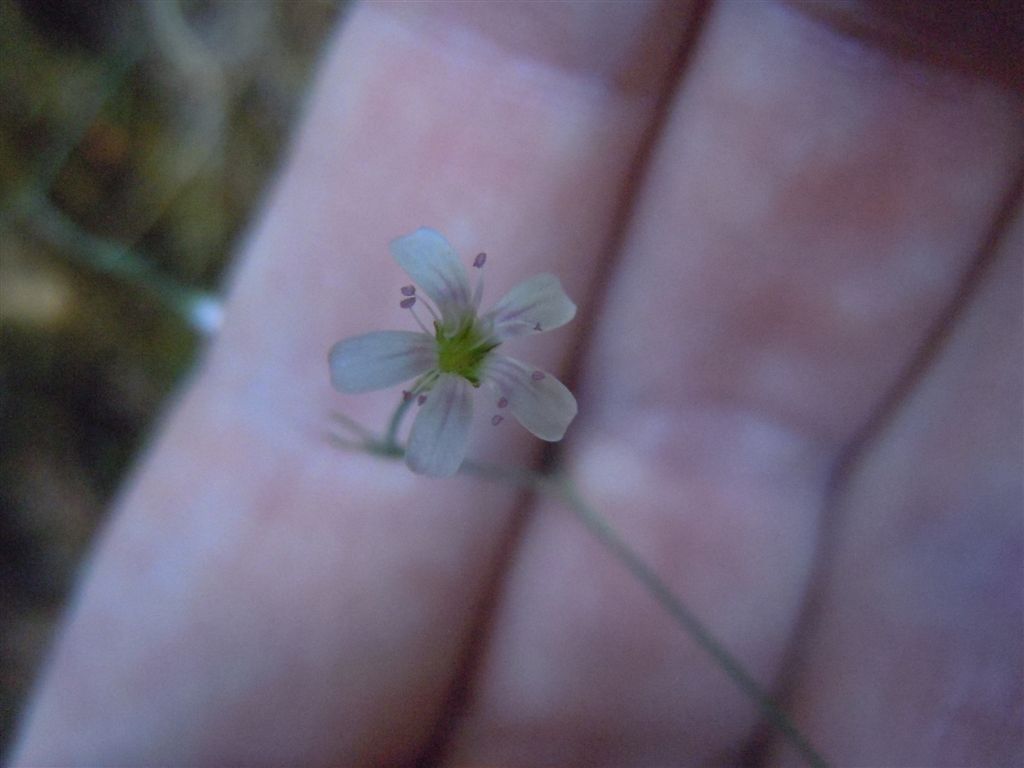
pixel 390 441
pixel 32 208
pixel 560 487
pixel 198 309
pixel 341 442
pixel 354 426
pixel 677 609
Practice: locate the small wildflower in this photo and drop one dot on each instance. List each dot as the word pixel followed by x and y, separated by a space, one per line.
pixel 458 357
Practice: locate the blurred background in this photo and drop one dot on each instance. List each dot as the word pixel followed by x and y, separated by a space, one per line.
pixel 136 140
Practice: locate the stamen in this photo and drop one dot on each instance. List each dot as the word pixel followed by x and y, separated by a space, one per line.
pixel 537 328
pixel 496 420
pixel 503 403
pixel 537 375
pixel 430 309
pixel 415 317
pixel 407 303
pixel 478 289
pixel 423 385
pixel 406 395
pixel 421 399
pixel 408 290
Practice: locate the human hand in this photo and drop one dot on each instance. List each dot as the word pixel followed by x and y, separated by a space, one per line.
pixel 763 238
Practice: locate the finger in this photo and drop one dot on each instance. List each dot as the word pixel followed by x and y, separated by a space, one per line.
pixel 811 208
pixel 915 656
pixel 261 597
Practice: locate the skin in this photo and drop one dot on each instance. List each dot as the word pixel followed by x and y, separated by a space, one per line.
pixel 798 363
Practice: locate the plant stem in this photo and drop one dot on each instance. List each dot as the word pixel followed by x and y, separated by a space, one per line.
pixel 559 486
pixel 354 426
pixel 390 443
pixel 198 309
pixel 677 609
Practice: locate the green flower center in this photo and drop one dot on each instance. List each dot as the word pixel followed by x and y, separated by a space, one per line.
pixel 464 352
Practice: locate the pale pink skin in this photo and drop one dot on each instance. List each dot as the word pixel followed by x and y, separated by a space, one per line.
pixel 809 211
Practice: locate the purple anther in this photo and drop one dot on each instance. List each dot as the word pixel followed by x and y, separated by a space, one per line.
pixel 537 328
pixel 407 303
pixel 421 399
pixel 408 290
pixel 537 375
pixel 479 260
pixel 503 403
pixel 496 420
pixel 406 395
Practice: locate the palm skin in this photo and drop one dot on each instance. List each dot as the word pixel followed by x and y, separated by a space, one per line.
pixel 763 237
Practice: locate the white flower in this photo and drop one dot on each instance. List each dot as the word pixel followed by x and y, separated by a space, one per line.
pixel 458 357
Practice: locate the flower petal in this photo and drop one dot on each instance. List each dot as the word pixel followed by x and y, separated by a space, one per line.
pixel 537 304
pixel 381 359
pixel 538 400
pixel 437 442
pixel 432 264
